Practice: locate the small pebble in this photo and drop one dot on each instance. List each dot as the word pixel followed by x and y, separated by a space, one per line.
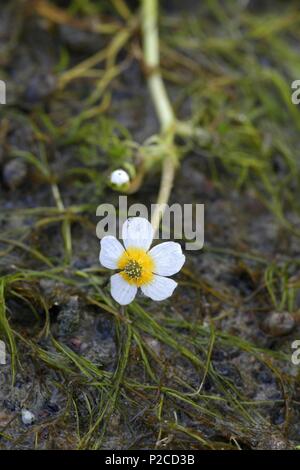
pixel 27 417
pixel 39 88
pixel 279 323
pixel 154 345
pixel 75 343
pixel 14 173
pixel 80 41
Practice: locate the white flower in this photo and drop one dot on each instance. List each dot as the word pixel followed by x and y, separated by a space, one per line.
pixel 138 266
pixel 119 177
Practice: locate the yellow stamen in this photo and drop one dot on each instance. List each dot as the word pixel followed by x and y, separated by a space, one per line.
pixel 136 266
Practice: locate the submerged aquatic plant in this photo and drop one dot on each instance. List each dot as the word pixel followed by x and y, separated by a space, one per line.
pixel 138 266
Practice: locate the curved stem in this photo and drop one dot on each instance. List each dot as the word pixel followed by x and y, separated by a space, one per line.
pixel 151 58
pixel 166 184
pixel 161 102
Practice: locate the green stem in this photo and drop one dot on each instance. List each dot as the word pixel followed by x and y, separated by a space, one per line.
pixel 66 226
pixel 151 58
pixel 161 102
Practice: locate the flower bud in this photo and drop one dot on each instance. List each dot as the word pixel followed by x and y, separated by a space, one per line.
pixel 119 177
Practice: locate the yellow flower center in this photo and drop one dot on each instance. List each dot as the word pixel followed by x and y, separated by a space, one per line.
pixel 136 266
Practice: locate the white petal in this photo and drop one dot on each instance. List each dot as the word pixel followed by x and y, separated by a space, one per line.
pixel 160 288
pixel 121 291
pixel 110 252
pixel 168 258
pixel 137 232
